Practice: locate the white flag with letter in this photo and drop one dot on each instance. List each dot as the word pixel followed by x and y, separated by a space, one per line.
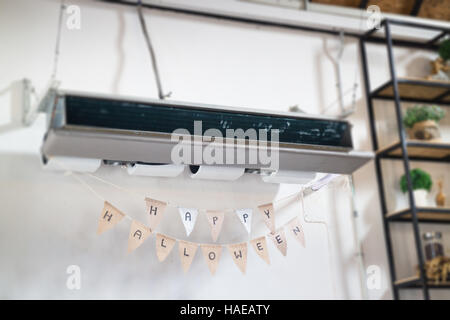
pixel 245 215
pixel 188 216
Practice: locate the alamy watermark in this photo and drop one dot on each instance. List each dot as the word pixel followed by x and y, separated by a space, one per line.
pixel 374 17
pixel 235 147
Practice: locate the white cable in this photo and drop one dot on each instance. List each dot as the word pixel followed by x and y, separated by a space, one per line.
pixel 57 45
pixel 324 223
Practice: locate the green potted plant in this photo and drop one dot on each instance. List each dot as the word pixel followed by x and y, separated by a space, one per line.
pixel 422 122
pixel 440 68
pixel 421 184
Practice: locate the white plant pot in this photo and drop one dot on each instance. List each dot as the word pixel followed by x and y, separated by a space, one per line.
pixel 421 197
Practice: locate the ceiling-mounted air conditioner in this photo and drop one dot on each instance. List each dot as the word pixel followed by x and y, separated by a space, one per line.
pixel 143 134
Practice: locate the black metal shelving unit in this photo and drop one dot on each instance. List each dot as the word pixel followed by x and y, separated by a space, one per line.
pixel 400 90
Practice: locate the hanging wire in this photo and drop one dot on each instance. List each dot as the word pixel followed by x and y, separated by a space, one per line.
pixel 53 81
pixel 307 220
pixel 161 94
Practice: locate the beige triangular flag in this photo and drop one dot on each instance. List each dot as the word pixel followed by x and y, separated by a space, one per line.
pixel 239 254
pixel 279 239
pixel 155 211
pixel 164 245
pixel 215 219
pixel 138 233
pixel 260 246
pixel 295 228
pixel 268 216
pixel 187 252
pixel 109 218
pixel 211 253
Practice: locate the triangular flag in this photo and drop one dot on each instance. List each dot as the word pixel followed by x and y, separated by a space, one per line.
pixel 187 252
pixel 109 217
pixel 164 245
pixel 138 233
pixel 268 216
pixel 245 215
pixel 296 230
pixel 155 211
pixel 239 254
pixel 211 253
pixel 215 219
pixel 188 216
pixel 279 239
pixel 260 246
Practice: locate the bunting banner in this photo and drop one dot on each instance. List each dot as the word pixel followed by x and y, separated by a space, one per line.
pixel 138 234
pixel 164 245
pixel 279 239
pixel 109 217
pixel 215 219
pixel 189 217
pixel 296 230
pixel 211 253
pixel 187 252
pixel 245 215
pixel 260 246
pixel 268 216
pixel 155 210
pixel 239 254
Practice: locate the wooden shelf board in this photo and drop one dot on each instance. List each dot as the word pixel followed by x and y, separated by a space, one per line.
pixel 416 89
pixel 419 149
pixel 414 283
pixel 423 214
pixel 438 10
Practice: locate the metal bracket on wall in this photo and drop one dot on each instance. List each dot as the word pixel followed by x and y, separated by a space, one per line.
pixel 32 105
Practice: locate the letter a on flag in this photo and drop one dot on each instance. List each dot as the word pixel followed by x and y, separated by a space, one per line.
pixel 138 233
pixel 245 215
pixel 188 216
pixel 268 216
pixel 109 217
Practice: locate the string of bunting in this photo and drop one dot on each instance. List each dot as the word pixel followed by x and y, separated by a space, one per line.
pixel 110 216
pixel 139 232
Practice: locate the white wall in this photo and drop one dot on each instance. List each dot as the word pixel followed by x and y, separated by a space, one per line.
pixel 48 220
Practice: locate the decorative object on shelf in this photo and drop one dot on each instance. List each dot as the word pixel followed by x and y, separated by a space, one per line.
pixel 422 122
pixel 437 270
pixel 421 183
pixel 437 267
pixel 440 197
pixel 440 68
pixel 433 245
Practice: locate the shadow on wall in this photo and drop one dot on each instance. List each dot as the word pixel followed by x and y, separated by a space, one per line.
pixel 11 106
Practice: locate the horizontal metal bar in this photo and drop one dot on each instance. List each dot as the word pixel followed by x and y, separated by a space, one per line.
pixel 416 25
pixel 237 18
pixel 279 23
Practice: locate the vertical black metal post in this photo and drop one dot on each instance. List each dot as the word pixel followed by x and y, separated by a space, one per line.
pixel 403 143
pixel 379 174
